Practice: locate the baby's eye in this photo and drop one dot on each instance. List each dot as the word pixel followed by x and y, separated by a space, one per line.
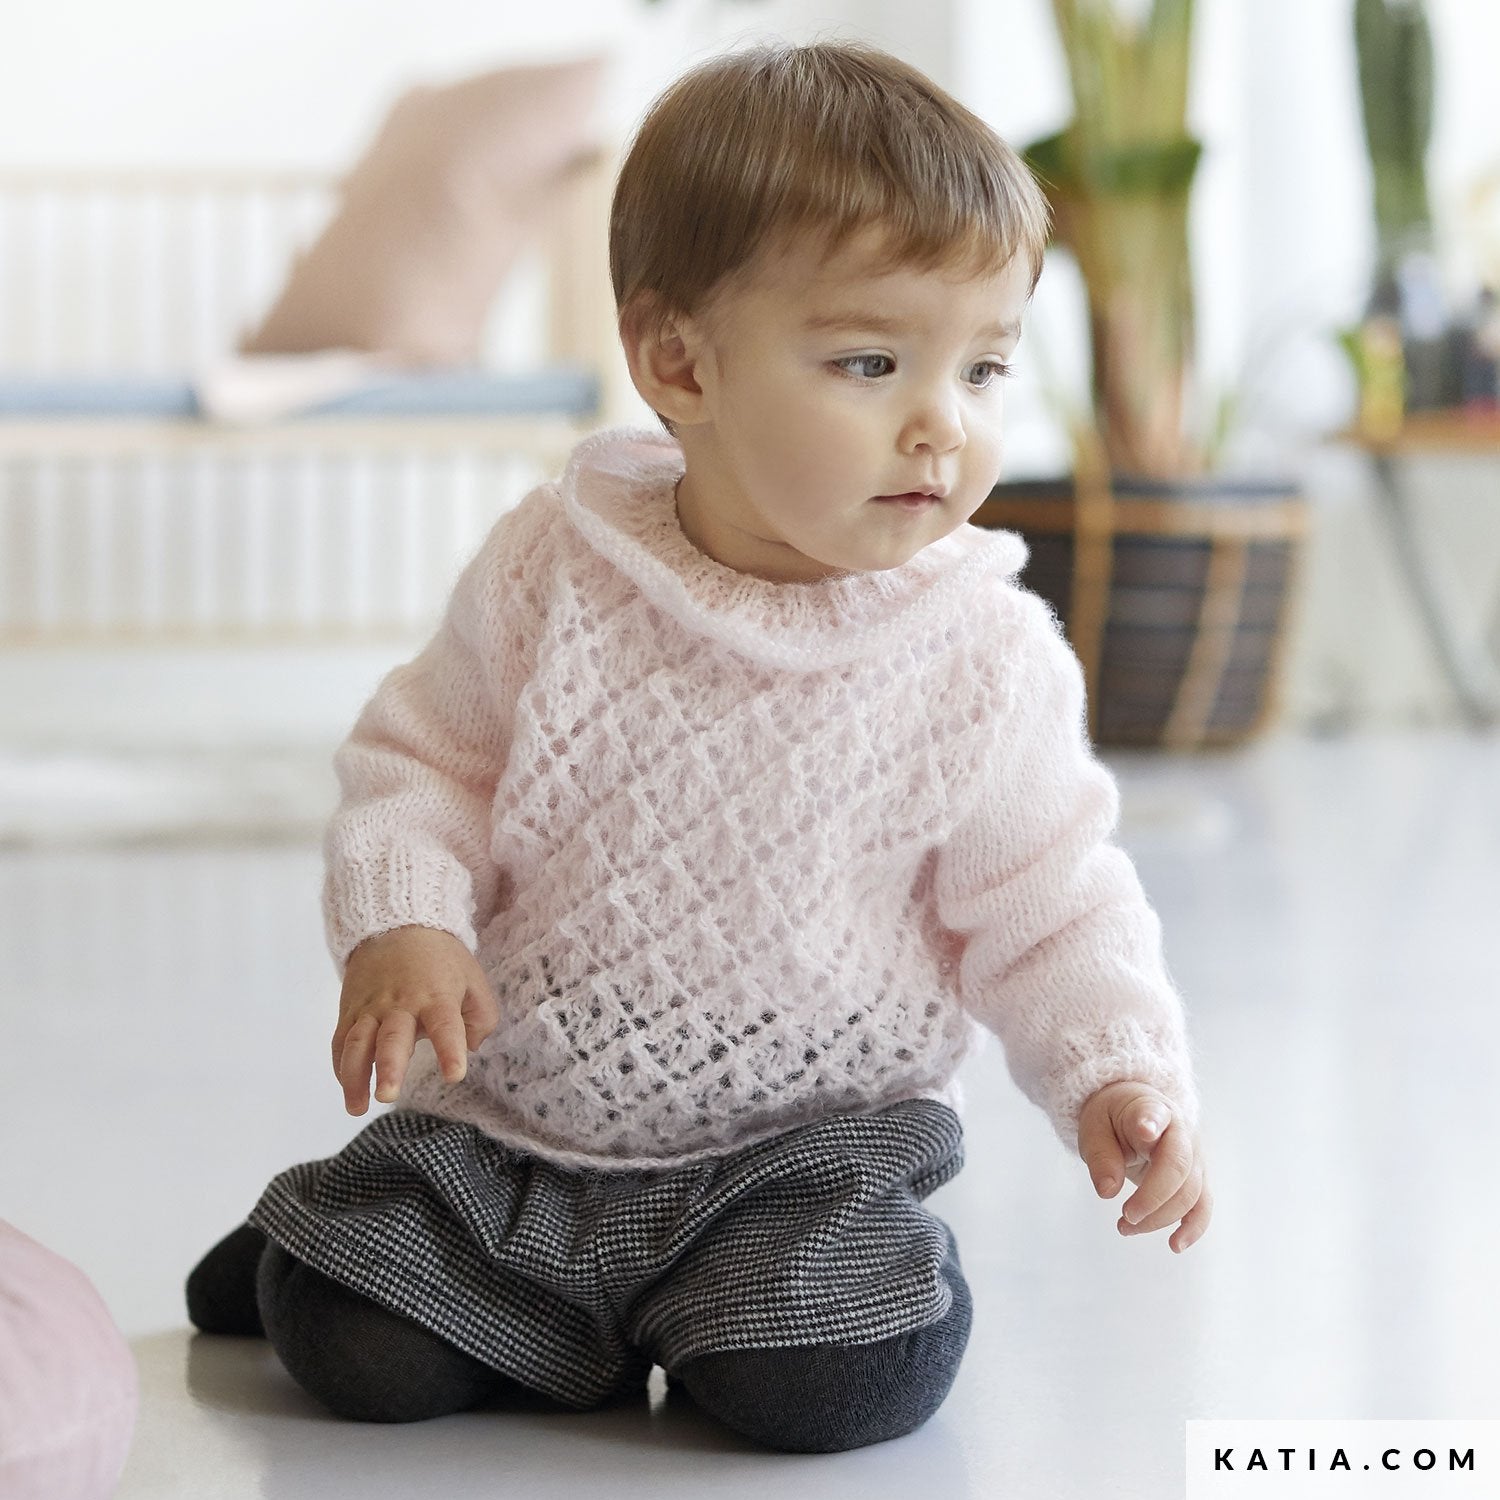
pixel 1000 371
pixel 860 359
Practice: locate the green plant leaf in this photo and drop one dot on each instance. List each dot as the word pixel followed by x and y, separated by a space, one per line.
pixel 1167 44
pixel 1152 169
pixel 1119 178
pixel 1394 48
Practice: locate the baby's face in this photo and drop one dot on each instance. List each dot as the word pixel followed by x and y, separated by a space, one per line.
pixel 830 386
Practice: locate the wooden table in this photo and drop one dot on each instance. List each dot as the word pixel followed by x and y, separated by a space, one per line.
pixel 1468 660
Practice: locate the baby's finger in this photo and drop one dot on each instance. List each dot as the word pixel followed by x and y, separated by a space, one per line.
pixel 1101 1153
pixel 398 1034
pixel 1195 1222
pixel 355 1062
pixel 445 1030
pixel 1171 1161
pixel 1148 1120
pixel 481 1015
pixel 341 1039
pixel 1173 1210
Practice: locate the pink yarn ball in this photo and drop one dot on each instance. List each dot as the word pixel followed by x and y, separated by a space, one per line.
pixel 69 1391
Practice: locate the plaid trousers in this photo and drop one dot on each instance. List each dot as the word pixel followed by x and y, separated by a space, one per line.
pixel 575 1282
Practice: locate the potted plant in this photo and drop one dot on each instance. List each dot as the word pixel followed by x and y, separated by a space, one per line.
pixel 1172 582
pixel 1409 351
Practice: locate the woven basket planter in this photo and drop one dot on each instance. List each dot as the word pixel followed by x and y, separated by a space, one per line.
pixel 1175 597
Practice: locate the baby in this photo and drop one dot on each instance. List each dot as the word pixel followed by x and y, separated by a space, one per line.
pixel 740 791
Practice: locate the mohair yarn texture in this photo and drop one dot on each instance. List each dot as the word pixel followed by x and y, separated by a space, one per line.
pixel 735 854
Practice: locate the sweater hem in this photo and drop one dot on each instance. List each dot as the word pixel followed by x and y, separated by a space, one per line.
pixel 949 1094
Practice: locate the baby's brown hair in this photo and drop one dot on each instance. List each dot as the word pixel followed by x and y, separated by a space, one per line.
pixel 759 147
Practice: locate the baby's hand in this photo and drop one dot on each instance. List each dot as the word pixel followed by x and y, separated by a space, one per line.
pixel 1129 1130
pixel 399 985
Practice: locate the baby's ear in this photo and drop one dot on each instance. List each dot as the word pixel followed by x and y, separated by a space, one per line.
pixel 661 363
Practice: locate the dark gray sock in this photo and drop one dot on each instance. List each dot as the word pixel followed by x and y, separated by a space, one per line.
pixel 831 1397
pixel 221 1287
pixel 366 1363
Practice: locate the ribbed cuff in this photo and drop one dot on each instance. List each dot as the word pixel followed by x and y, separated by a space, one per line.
pixel 1123 1051
pixel 402 888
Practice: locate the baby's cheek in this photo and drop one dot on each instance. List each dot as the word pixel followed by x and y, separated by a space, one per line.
pixel 807 458
pixel 986 453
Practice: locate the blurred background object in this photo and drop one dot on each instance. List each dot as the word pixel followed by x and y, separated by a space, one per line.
pixel 1173 580
pixel 136 335
pixel 1396 85
pixel 1426 342
pixel 69 1388
pixel 1118 178
pixel 1423 354
pixel 1444 318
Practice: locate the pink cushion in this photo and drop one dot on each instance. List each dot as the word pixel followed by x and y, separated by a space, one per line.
pixel 68 1386
pixel 436 213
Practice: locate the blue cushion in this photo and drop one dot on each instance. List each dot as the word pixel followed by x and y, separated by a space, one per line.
pixel 558 390
pixel 96 396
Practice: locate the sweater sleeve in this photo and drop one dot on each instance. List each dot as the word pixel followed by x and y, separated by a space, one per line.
pixel 409 844
pixel 1063 954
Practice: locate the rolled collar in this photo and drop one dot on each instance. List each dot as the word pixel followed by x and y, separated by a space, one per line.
pixel 618 491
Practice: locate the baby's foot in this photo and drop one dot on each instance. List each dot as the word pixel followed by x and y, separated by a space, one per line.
pixel 221 1287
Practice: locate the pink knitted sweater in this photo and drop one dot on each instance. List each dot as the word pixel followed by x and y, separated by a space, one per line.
pixel 736 854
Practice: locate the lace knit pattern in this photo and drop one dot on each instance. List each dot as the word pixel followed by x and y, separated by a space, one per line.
pixel 737 854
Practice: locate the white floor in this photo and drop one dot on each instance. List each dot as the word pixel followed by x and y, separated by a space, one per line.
pixel 1330 911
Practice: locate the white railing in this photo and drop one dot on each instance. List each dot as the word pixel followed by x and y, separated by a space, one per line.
pixel 149 271
pixel 266 547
